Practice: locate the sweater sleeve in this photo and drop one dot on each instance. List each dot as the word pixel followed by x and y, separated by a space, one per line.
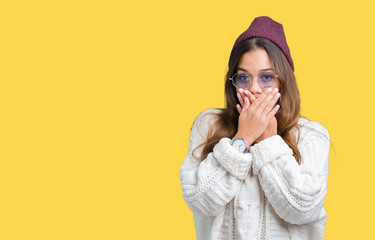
pixel 208 185
pixel 296 192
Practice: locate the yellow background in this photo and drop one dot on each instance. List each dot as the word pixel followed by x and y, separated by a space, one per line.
pixel 97 99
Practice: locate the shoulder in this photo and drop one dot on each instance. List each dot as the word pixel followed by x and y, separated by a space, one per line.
pixel 204 121
pixel 207 116
pixel 308 128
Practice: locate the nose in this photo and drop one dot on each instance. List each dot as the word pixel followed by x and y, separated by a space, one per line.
pixel 255 88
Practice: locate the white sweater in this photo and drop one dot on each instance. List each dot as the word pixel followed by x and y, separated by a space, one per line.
pixel 263 194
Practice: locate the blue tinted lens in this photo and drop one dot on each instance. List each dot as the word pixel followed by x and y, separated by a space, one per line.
pixel 241 80
pixel 266 79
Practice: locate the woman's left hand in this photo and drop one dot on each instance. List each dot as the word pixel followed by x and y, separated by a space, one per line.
pixel 271 129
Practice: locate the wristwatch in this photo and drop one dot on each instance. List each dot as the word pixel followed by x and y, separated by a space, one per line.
pixel 240 144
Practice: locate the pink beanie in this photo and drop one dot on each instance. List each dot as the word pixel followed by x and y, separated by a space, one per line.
pixel 265 27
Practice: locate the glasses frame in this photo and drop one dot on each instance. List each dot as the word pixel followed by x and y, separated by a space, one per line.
pixel 251 79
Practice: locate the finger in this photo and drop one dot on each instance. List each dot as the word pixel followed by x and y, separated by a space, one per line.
pixel 243 96
pixel 247 104
pixel 250 96
pixel 240 96
pixel 239 109
pixel 273 112
pixel 240 99
pixel 262 96
pixel 271 104
pixel 267 100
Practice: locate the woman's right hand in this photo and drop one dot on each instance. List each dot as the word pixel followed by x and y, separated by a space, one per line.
pixel 255 116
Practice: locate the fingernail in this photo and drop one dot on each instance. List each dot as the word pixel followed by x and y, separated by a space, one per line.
pixel 247 92
pixel 278 94
pixel 275 90
pixel 269 89
pixel 240 90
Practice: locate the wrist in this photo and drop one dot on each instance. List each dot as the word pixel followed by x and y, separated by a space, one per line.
pixel 248 140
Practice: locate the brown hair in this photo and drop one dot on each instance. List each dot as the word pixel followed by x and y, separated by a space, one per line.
pixel 287 117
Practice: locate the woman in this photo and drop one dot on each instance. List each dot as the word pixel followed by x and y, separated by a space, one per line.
pixel 257 169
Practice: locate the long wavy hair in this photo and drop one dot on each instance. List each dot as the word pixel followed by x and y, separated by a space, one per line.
pixel 287 117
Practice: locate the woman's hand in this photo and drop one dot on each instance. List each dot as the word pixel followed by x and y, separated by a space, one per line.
pixel 257 116
pixel 270 131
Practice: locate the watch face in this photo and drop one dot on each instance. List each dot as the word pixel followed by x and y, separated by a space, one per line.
pixel 240 145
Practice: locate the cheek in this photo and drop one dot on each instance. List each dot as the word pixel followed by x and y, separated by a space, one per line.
pixel 276 85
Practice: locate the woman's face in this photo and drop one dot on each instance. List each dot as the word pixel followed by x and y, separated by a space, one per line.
pixel 254 63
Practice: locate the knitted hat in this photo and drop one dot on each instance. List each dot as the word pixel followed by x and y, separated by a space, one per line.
pixel 265 27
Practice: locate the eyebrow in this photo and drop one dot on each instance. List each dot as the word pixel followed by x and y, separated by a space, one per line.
pixel 262 70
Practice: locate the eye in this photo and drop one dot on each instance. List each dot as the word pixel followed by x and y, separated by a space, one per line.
pixel 267 76
pixel 242 78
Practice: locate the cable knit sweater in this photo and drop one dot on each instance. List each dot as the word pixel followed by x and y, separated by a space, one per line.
pixel 263 194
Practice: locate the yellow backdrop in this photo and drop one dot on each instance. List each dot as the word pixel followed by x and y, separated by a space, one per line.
pixel 97 99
